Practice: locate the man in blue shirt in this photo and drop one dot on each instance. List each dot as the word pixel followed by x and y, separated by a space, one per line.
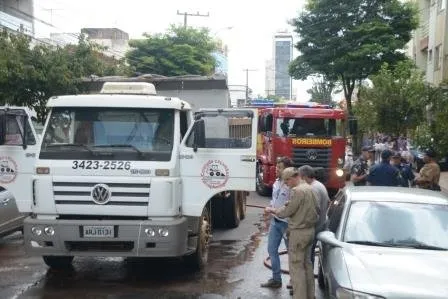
pixel 383 173
pixel 406 174
pixel 277 229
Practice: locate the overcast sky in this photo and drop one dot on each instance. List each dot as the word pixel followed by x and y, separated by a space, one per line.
pixel 249 41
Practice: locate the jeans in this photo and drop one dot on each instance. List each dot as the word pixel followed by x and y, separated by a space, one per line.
pixel 277 230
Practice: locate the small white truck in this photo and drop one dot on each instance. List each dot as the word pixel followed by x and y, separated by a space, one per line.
pixel 128 173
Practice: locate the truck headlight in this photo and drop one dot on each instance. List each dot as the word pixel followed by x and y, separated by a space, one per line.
pixel 163 232
pixel 49 231
pixel 37 231
pixel 342 293
pixel 339 172
pixel 340 161
pixel 150 232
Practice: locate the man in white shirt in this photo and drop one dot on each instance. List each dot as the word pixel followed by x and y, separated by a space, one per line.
pixel 307 174
pixel 277 229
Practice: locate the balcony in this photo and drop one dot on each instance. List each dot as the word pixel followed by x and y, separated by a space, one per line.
pixel 424 35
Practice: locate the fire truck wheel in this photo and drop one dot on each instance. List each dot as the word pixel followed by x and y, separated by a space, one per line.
pixel 232 210
pixel 199 258
pixel 261 188
pixel 58 262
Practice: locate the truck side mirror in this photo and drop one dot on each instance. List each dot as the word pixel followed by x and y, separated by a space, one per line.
pixel 199 135
pixel 353 125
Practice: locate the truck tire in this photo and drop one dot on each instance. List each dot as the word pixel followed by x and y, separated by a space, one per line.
pixel 58 262
pixel 261 188
pixel 199 258
pixel 232 210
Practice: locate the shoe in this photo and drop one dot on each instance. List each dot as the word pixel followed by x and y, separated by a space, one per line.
pixel 291 292
pixel 272 284
pixel 289 286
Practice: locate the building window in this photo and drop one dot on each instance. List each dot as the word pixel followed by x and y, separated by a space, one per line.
pixel 430 55
pixel 437 59
pixel 441 4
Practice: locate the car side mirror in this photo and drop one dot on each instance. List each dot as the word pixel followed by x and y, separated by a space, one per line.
pixel 328 237
pixel 199 135
pixel 353 125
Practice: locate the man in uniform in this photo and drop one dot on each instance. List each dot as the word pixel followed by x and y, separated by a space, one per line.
pixel 429 175
pixel 277 229
pixel 302 213
pixel 360 168
pixel 405 172
pixel 383 173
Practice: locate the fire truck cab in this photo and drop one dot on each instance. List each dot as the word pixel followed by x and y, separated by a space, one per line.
pixel 310 134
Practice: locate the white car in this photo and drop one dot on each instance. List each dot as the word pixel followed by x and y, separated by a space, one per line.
pixel 10 218
pixel 385 242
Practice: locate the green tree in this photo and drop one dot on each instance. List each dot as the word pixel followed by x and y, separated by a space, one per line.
pixel 396 103
pixel 275 98
pixel 180 51
pixel 348 40
pixel 30 75
pixel 322 91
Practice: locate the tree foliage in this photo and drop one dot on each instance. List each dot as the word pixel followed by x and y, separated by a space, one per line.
pixel 31 74
pixel 322 91
pixel 396 103
pixel 180 51
pixel 349 40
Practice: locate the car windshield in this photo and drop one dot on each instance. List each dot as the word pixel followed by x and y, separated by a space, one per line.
pixel 131 134
pixel 413 225
pixel 323 127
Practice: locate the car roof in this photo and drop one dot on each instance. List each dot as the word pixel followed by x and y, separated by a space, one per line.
pixel 395 194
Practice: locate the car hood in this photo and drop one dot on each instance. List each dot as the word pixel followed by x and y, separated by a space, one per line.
pixel 398 272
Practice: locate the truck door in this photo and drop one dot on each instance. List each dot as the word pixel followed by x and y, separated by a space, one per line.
pixel 18 147
pixel 218 154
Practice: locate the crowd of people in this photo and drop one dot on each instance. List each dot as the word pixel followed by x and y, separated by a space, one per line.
pixel 299 205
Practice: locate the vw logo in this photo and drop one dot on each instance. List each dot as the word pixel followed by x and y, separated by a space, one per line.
pixel 101 194
pixel 311 155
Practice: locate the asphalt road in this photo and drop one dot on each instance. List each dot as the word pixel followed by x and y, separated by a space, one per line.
pixel 235 270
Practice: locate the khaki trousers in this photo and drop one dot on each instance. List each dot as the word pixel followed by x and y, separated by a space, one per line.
pixel 300 267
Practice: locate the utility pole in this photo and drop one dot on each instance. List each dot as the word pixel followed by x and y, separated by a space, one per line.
pixel 247 82
pixel 187 14
pixel 51 12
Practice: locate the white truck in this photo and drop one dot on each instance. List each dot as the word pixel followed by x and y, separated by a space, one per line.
pixel 128 173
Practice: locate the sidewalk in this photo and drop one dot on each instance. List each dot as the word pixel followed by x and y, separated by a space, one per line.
pixel 443 182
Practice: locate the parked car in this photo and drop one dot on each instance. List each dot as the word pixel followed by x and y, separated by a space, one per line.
pixel 10 218
pixel 385 242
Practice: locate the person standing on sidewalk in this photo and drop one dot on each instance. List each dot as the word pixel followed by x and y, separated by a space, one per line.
pixel 278 226
pixel 429 175
pixel 360 168
pixel 302 213
pixel 307 174
pixel 405 174
pixel 383 173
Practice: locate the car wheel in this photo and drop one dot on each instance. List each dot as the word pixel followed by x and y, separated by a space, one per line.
pixel 58 262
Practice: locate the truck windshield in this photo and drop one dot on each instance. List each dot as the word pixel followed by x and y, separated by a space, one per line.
pixel 113 133
pixel 324 127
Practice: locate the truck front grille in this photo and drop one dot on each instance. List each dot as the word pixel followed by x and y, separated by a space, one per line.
pixel 100 246
pixel 314 157
pixel 80 193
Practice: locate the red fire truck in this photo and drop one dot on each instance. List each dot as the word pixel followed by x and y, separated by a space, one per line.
pixel 309 134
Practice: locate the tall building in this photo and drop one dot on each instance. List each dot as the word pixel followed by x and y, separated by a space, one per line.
pixel 429 46
pixel 17 15
pixel 278 67
pixel 221 56
pixel 114 40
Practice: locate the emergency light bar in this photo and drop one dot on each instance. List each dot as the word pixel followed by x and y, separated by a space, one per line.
pixel 261 103
pixel 143 88
pixel 307 105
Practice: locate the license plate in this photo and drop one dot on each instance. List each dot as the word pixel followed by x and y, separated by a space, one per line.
pixel 98 231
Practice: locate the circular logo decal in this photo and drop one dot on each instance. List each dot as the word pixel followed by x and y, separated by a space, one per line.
pixel 101 194
pixel 215 174
pixel 311 155
pixel 8 170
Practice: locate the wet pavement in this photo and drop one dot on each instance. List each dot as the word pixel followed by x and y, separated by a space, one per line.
pixel 235 270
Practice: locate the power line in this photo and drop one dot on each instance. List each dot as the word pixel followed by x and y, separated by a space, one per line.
pixel 247 81
pixel 187 14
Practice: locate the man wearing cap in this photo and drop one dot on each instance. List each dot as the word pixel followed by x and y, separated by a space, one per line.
pixel 360 168
pixel 302 213
pixel 383 173
pixel 405 172
pixel 429 175
pixel 278 226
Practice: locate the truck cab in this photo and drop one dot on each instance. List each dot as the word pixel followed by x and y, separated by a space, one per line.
pixel 129 173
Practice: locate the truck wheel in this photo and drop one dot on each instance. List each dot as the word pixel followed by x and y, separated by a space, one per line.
pixel 199 258
pixel 232 212
pixel 261 188
pixel 58 262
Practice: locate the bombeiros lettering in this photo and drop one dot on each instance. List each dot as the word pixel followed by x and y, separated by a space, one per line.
pixel 311 141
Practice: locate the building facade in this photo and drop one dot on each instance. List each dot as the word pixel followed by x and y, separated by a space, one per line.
pixel 278 81
pixel 114 40
pixel 17 15
pixel 429 46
